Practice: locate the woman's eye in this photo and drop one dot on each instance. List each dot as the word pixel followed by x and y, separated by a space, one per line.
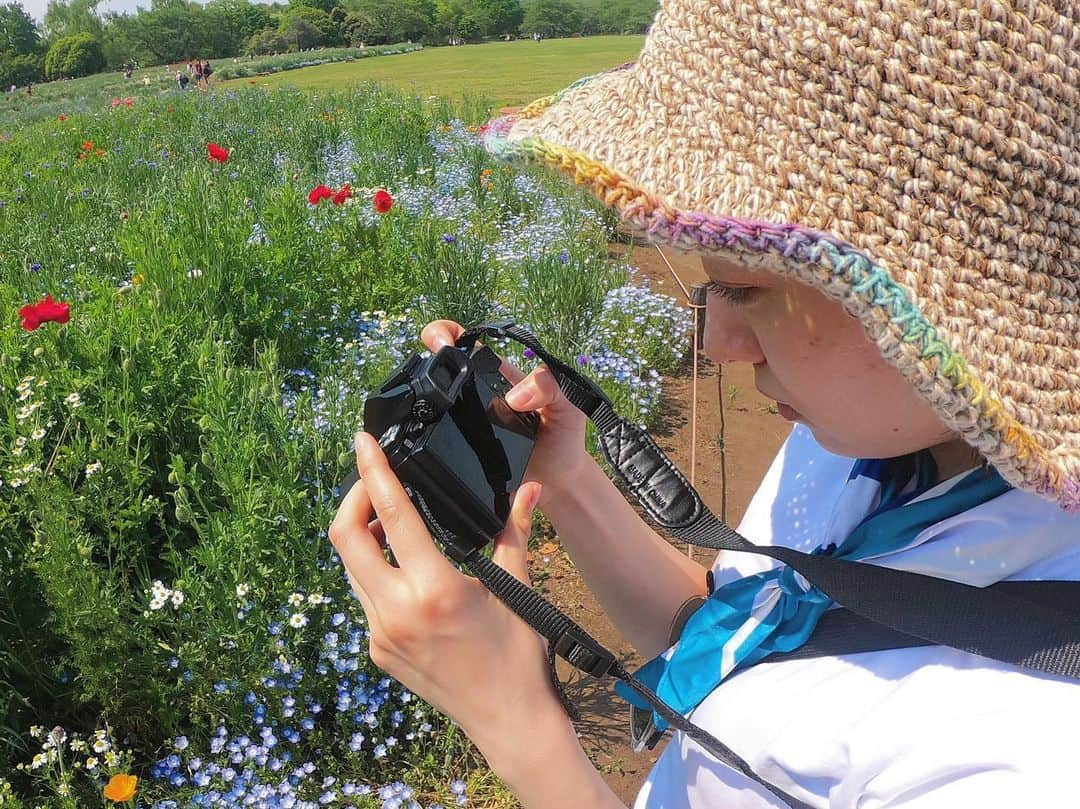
pixel 733 295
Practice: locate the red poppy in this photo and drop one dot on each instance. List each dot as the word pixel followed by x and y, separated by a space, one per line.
pixel 383 201
pixel 129 102
pixel 215 152
pixel 87 145
pixel 116 102
pixel 61 117
pixel 344 193
pixel 44 311
pixel 319 193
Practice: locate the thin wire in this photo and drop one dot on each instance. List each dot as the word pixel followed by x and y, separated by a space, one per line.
pixel 694 375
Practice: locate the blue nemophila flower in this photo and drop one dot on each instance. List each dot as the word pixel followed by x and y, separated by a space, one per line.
pixel 35 267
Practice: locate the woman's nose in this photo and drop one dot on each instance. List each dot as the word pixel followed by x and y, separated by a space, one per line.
pixel 728 337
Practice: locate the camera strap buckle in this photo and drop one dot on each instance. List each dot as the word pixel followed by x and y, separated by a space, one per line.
pixel 582 652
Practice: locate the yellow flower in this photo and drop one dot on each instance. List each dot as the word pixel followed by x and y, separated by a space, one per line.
pixel 137 278
pixel 121 788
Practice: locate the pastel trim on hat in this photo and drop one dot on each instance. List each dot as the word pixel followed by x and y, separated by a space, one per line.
pixel 865 286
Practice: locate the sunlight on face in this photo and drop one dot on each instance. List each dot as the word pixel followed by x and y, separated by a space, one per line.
pixel 814 360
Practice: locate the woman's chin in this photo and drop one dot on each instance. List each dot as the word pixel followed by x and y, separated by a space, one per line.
pixel 838 445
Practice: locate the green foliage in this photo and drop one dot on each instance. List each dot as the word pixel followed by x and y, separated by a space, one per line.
pixel 187 425
pixel 239 17
pixel 502 16
pixel 266 41
pixel 551 18
pixel 374 22
pixel 20 69
pixel 74 56
pixel 18 34
pixel 617 16
pixel 64 19
pixel 308 27
pixel 321 5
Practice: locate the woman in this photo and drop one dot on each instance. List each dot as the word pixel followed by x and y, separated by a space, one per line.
pixel 884 199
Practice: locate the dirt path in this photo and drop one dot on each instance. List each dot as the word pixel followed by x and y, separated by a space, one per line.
pixel 737 437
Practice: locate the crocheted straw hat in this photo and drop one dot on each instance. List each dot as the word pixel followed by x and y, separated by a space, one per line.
pixel 917 161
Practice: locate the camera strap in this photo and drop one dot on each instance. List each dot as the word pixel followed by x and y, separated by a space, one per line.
pixel 1034 625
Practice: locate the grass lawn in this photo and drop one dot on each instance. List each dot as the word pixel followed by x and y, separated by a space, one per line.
pixel 507 73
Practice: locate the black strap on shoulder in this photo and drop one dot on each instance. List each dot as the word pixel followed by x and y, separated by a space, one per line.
pixel 1034 625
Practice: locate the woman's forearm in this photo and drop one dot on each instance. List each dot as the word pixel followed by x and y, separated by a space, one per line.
pixel 544 765
pixel 640 579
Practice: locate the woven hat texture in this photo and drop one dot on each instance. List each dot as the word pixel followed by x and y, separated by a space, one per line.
pixel 917 161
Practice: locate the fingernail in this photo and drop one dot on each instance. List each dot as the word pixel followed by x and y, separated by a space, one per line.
pixel 537 491
pixel 516 398
pixel 359 443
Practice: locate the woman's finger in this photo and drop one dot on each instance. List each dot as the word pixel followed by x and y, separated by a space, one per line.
pixel 360 550
pixel 406 533
pixel 539 389
pixel 439 333
pixel 512 544
pixel 371 612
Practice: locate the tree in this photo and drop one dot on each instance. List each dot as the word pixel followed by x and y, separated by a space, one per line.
pixel 18 34
pixel 617 16
pixel 501 16
pixel 20 68
pixel 551 18
pixel 240 17
pixel 377 22
pixel 77 16
pixel 74 56
pixel 306 27
pixel 321 5
pixel 269 40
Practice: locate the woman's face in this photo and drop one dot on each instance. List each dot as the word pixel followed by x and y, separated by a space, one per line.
pixel 813 359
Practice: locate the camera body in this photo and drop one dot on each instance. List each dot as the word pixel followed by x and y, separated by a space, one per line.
pixel 451 438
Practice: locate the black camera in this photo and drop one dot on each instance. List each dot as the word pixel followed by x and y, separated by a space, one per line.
pixel 452 440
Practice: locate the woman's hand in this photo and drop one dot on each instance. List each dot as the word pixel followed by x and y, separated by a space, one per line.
pixel 560 447
pixel 441 633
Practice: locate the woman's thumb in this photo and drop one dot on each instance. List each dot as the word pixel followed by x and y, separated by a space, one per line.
pixel 512 543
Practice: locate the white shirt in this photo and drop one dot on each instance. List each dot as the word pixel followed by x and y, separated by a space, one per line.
pixel 922 728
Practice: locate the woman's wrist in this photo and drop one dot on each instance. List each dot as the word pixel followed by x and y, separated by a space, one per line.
pixel 565 491
pixel 543 764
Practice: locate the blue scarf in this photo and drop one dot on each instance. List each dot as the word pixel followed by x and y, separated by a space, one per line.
pixel 748 619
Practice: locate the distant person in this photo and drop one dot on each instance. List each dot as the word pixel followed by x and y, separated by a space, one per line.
pixel 198 73
pixel 181 79
pixel 206 71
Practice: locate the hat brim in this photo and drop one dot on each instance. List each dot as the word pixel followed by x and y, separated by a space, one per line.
pixel 890 312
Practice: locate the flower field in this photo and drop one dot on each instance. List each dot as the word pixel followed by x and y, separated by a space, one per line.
pixel 200 290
